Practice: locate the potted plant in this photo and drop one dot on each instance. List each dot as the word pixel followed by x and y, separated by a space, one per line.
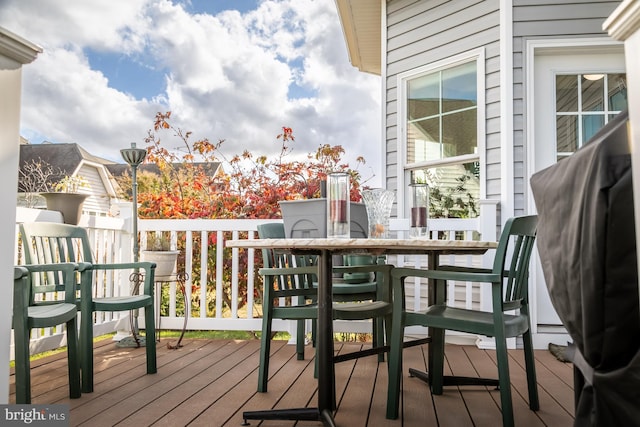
pixel 158 250
pixel 65 198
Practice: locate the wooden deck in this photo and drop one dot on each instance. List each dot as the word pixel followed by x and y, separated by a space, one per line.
pixel 210 382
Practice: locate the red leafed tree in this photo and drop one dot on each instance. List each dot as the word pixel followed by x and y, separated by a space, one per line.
pixel 245 186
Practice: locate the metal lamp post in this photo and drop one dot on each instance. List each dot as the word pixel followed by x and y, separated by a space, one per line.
pixel 134 156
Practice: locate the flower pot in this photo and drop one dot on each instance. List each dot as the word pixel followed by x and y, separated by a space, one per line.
pixel 165 263
pixel 307 218
pixel 68 204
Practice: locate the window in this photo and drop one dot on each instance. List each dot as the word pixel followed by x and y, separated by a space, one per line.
pixel 441 136
pixel 442 114
pixel 584 104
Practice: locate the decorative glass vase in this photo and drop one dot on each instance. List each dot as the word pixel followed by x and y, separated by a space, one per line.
pixel 379 203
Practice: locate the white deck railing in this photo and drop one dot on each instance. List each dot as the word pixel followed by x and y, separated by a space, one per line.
pixel 229 285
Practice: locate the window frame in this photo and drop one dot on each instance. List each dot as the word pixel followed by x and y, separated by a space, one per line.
pixel 580 113
pixel 405 168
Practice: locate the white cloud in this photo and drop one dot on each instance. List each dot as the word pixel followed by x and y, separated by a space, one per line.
pixel 228 75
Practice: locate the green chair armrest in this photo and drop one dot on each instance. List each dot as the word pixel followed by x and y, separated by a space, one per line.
pixel 463 276
pixel 292 271
pixel 19 272
pixel 87 279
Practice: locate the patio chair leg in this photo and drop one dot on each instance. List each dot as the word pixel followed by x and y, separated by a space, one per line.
pixel 86 351
pixel 23 365
pixel 73 359
pixel 150 339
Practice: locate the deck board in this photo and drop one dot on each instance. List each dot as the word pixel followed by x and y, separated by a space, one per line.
pixel 211 382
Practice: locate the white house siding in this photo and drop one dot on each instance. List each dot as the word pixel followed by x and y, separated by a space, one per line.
pixel 426 31
pixel 99 202
pixel 539 19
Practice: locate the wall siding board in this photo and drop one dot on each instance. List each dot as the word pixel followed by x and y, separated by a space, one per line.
pixel 493 186
pixel 98 201
pixel 493 96
pixel 493 126
pixel 518 75
pixel 563 11
pixel 560 27
pixel 492 82
pixel 414 57
pixel 392 110
pixel 441 44
pixel 518 94
pixel 427 26
pixel 399 10
pixel 493 154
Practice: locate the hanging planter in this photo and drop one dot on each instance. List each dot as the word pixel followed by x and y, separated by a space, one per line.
pixel 64 198
pixel 68 204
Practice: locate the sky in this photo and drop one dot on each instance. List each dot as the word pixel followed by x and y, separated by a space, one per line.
pixel 237 70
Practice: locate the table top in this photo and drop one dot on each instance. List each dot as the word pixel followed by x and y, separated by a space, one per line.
pixel 375 246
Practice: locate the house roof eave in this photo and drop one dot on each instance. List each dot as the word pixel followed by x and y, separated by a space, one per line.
pixel 16 48
pixel 361 22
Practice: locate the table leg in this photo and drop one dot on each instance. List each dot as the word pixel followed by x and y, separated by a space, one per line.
pixel 324 353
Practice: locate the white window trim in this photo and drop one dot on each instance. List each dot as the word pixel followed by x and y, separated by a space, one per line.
pixel 403 173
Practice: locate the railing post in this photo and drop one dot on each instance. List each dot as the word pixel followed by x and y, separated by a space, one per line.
pixel 488 231
pixel 126 213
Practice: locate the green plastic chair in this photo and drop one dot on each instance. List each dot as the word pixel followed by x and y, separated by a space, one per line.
pixel 509 288
pixel 44 296
pixel 47 243
pixel 294 279
pixel 349 286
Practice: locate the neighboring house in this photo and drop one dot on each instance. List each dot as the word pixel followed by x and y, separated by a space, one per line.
pixel 497 89
pixel 72 160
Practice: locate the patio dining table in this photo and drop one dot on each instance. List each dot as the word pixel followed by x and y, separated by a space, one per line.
pixel 324 248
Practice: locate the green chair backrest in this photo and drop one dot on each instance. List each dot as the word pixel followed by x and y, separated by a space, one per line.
pixel 286 283
pixel 53 243
pixel 512 259
pixel 49 242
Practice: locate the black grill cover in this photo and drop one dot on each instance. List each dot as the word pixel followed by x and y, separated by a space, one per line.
pixel 586 241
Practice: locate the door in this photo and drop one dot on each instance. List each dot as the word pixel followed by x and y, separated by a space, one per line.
pixel 576 92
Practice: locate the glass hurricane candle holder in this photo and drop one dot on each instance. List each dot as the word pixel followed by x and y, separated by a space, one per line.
pixel 338 215
pixel 419 210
